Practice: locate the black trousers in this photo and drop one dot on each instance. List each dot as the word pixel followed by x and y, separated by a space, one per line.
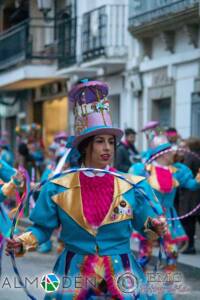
pixel 189 225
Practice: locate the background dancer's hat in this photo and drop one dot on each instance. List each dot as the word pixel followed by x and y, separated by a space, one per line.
pixel 91 110
pixel 150 125
pixel 158 146
pixel 151 129
pixel 62 135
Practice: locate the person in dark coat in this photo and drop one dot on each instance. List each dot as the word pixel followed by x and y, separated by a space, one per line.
pixel 127 153
pixel 190 199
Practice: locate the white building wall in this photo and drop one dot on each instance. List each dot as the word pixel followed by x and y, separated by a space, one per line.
pixel 159 49
pixel 183 68
pixel 182 42
pixel 185 75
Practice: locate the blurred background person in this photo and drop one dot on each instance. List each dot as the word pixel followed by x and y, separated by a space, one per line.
pixel 190 199
pixel 174 138
pixel 127 153
pixel 172 135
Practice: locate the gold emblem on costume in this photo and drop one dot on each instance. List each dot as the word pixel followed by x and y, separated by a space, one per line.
pixel 122 210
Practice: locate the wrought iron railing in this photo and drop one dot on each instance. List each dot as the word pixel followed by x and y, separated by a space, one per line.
pixel 100 32
pixel 32 39
pixel 104 32
pixel 67 41
pixel 161 11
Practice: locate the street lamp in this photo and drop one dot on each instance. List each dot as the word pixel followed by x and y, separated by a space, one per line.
pixel 44 6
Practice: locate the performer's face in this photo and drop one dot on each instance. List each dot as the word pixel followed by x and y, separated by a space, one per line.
pixel 100 152
pixel 168 158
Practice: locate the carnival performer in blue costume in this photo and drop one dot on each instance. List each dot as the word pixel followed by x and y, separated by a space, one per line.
pixel 6 172
pixel 164 176
pixel 10 181
pixel 97 211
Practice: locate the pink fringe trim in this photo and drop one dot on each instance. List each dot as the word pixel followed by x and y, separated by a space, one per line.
pixel 87 270
pixel 138 236
pixel 110 280
pixel 177 240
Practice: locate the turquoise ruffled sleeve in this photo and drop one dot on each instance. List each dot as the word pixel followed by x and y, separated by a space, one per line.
pixel 185 177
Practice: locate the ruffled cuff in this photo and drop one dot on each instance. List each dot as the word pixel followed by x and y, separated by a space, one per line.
pixel 149 230
pixel 29 242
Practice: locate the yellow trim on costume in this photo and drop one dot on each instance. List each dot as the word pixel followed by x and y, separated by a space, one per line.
pixel 153 178
pixel 71 200
pixel 68 181
pixel 8 189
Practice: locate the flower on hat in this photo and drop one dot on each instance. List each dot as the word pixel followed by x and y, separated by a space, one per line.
pixel 101 105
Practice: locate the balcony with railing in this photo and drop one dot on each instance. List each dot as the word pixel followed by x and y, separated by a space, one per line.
pixel 32 40
pixel 104 32
pixel 162 14
pixel 67 41
pixel 100 33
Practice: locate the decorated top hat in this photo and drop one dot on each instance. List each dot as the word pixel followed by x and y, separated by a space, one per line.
pixel 91 111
